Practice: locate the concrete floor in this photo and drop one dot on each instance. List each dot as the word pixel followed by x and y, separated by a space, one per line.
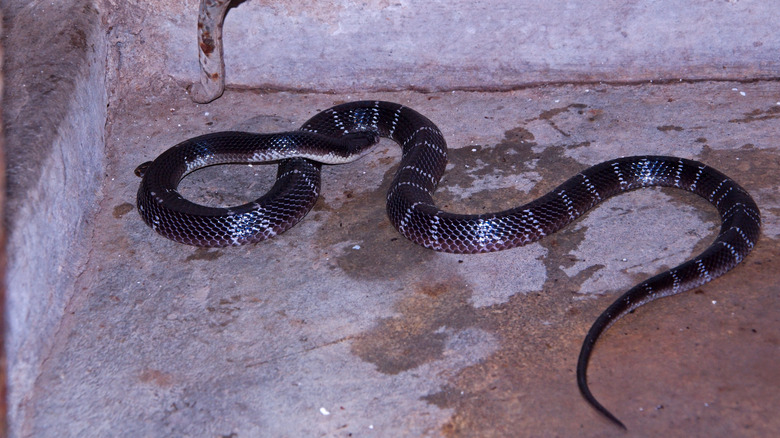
pixel 340 327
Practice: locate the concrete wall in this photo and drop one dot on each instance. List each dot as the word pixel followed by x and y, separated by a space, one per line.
pixel 344 45
pixel 54 117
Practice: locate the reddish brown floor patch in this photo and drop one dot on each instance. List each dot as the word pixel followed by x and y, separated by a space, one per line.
pixel 416 337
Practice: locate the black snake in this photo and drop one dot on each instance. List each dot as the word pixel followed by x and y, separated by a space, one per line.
pixel 344 132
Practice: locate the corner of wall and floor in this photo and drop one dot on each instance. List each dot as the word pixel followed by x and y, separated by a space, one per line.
pixel 54 112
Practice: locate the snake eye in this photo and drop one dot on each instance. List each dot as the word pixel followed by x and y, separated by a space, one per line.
pixel 141 169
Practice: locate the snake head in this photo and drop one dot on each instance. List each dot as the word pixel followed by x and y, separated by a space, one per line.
pixel 359 142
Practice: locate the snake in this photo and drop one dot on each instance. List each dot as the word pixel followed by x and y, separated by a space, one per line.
pixel 347 131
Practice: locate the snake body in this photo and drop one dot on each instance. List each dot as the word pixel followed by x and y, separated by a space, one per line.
pixel 344 132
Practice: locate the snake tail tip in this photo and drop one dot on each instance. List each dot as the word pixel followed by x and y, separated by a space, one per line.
pixel 585 391
pixel 609 415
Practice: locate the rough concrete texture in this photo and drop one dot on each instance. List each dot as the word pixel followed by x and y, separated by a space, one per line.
pixel 3 260
pixel 342 315
pixel 345 45
pixel 340 327
pixel 54 118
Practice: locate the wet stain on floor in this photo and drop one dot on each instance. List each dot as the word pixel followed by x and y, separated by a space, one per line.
pixel 489 396
pixel 418 335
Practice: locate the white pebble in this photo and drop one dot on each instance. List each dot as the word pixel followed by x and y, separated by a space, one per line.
pixel 324 411
pixel 356 247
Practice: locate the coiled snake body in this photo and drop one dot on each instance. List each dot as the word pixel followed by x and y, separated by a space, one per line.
pixel 344 132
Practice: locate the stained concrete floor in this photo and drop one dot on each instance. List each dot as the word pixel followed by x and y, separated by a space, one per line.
pixel 340 327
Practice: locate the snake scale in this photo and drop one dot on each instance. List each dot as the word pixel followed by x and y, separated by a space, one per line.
pixel 343 133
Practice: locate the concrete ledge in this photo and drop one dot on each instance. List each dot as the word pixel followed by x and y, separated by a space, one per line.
pixel 54 118
pixel 377 45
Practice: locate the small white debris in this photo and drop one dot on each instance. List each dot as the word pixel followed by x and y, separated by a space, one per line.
pixel 557 100
pixel 741 93
pixel 735 89
pixel 356 247
pixel 206 114
pixel 370 426
pixel 474 150
pixel 625 260
pixel 714 302
pixel 324 411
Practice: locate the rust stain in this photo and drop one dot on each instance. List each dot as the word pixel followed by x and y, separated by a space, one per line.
pixel 156 377
pixel 207 43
